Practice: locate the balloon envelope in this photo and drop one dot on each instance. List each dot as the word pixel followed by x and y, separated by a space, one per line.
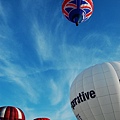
pixel 42 119
pixel 11 113
pixel 77 11
pixel 95 93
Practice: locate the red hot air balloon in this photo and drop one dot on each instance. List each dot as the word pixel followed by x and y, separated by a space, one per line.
pixel 11 113
pixel 42 119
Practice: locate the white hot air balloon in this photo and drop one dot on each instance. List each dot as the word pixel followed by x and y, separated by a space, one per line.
pixel 95 93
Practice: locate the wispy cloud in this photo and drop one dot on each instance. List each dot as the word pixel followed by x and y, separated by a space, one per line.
pixel 11 68
pixel 2 13
pixel 17 75
pixel 56 92
pixel 65 112
pixel 42 42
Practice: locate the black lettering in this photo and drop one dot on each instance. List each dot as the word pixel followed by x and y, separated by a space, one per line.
pixel 78 117
pixel 75 100
pixel 83 96
pixel 92 94
pixel 74 103
pixel 78 99
pixel 80 96
pixel 87 95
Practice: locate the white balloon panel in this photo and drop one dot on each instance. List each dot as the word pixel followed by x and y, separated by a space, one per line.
pixel 95 93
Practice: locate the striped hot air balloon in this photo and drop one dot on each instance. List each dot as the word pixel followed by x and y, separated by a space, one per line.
pixel 41 119
pixel 11 113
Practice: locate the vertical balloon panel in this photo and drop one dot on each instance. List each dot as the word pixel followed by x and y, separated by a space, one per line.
pixel 95 93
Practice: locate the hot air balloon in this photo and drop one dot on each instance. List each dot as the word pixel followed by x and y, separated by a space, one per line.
pixel 95 93
pixel 11 113
pixel 77 11
pixel 42 119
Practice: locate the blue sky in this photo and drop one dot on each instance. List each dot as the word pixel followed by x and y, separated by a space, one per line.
pixel 41 53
